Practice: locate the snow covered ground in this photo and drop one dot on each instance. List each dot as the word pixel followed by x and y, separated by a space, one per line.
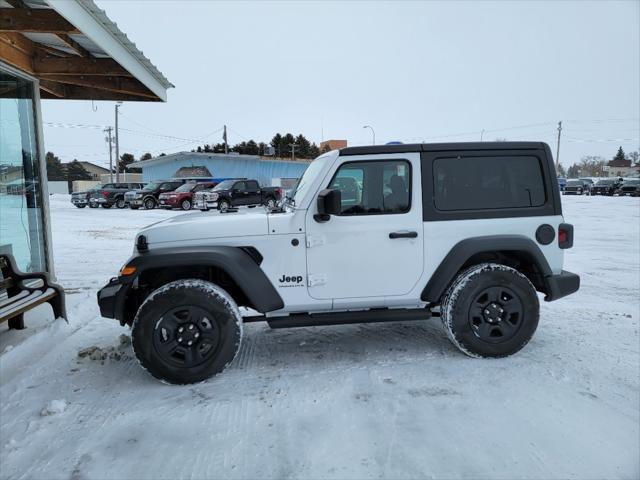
pixel 377 400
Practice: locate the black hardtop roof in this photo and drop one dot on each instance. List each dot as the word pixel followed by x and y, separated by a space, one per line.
pixel 438 147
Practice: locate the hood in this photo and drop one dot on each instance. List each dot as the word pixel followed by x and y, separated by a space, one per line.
pixel 203 226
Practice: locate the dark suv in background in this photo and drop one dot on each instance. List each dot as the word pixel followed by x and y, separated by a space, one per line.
pixel 147 197
pixel 606 186
pixel 577 187
pixel 630 188
pixel 112 194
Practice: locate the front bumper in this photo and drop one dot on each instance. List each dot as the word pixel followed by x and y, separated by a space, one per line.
pixel 79 201
pixel 111 299
pixel 561 285
pixel 136 203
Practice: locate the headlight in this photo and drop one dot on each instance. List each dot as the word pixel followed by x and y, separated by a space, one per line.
pixel 213 196
pixel 138 195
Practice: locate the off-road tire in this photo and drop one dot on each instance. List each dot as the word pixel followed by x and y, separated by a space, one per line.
pixel 186 204
pixel 476 335
pixel 120 203
pixel 149 331
pixel 224 205
pixel 149 203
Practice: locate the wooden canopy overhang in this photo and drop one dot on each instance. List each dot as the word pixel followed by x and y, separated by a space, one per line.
pixel 69 65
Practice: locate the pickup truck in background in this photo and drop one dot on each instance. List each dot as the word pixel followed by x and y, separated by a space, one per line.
pixel 147 197
pixel 236 193
pixel 111 194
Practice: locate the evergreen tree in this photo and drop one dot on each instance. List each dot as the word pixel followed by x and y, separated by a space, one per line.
pixel 146 156
pixel 620 155
pixel 75 171
pixel 55 168
pixel 125 160
pixel 561 171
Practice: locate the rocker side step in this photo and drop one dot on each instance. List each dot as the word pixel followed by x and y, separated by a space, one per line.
pixel 342 318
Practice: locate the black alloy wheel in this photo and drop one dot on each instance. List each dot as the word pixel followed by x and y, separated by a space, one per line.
pixel 186 337
pixel 496 314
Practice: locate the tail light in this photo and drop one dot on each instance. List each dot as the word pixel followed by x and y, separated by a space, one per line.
pixel 279 190
pixel 105 194
pixel 565 235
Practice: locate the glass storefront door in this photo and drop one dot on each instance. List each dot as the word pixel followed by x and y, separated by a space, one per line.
pixel 21 205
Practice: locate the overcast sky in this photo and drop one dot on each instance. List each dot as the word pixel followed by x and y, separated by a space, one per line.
pixel 415 71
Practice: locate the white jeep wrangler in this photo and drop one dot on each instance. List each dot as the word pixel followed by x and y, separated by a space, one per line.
pixel 468 232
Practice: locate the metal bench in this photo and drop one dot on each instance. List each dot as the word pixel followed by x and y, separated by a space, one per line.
pixel 20 292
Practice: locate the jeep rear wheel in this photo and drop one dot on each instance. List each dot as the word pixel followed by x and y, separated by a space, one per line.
pixel 490 310
pixel 187 331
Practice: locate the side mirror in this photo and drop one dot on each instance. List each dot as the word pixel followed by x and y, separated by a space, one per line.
pixel 329 203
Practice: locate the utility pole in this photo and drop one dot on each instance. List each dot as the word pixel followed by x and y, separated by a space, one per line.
pixel 118 105
pixel 108 139
pixel 558 149
pixel 224 137
pixel 293 151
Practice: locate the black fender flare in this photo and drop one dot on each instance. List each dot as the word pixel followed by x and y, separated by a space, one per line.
pixel 465 249
pixel 236 262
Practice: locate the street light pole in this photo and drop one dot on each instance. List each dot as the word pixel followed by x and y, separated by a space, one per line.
pixel 373 132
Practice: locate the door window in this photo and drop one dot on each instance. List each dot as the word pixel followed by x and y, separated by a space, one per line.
pixel 239 186
pixel 370 188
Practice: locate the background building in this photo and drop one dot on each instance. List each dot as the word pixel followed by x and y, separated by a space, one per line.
pixel 54 49
pixel 219 165
pixel 332 145
pixel 621 168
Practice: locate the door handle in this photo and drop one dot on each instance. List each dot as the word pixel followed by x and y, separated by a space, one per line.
pixel 394 235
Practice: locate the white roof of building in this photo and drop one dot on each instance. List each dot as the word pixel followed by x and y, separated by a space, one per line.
pixel 99 36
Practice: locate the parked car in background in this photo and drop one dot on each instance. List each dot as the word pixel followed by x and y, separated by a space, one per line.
pixel 606 186
pixel 562 182
pixel 577 187
pixel 590 182
pixel 236 193
pixel 183 196
pixel 111 194
pixel 630 188
pixel 80 199
pixel 147 196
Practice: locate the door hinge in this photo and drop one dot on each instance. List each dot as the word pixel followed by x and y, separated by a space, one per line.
pixel 315 240
pixel 315 279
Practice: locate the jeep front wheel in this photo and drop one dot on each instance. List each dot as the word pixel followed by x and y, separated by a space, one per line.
pixel 490 310
pixel 187 331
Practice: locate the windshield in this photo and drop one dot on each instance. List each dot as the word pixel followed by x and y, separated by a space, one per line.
pixel 187 187
pixel 574 183
pixel 305 182
pixel 605 182
pixel 151 186
pixel 226 185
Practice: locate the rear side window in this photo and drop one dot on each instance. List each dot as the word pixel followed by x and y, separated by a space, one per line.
pixel 239 186
pixel 484 183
